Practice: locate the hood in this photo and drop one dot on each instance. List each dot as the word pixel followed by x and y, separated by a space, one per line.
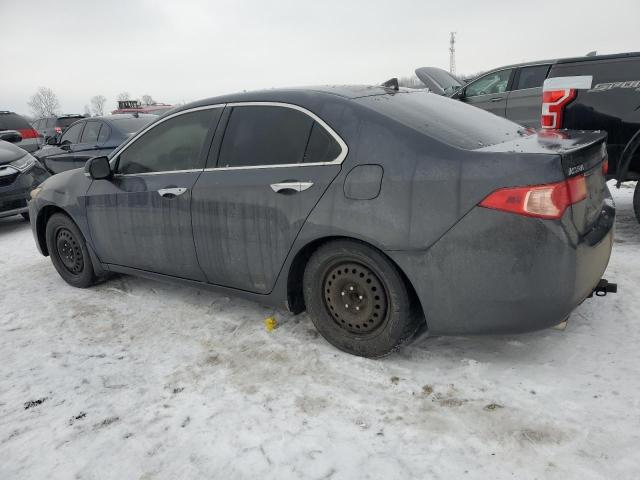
pixel 438 81
pixel 10 153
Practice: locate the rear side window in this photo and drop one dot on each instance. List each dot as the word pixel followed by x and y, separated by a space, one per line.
pixel 531 77
pixel 13 121
pixel 72 135
pixel 264 135
pixel 105 132
pixel 445 120
pixel 322 147
pixel 175 144
pixel 64 122
pixel 90 133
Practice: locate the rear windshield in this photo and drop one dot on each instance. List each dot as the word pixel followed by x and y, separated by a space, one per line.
pixel 131 125
pixel 12 121
pixel 66 121
pixel 448 121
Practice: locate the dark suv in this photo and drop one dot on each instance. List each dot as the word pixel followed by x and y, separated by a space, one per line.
pixel 49 127
pixel 31 141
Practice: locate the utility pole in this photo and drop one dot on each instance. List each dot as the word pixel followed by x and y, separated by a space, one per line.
pixel 452 53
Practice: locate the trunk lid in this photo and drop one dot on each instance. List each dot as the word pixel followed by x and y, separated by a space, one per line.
pixel 438 81
pixel 581 154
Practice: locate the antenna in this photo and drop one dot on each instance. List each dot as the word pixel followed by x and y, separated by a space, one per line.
pixel 452 53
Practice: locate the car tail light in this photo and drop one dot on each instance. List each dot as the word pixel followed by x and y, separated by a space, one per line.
pixel 28 133
pixel 542 201
pixel 553 103
pixel 605 165
pixel 58 130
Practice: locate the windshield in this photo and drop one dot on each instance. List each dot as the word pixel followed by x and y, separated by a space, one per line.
pixel 131 125
pixel 448 121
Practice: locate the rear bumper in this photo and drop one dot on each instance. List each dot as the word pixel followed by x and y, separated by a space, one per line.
pixel 496 272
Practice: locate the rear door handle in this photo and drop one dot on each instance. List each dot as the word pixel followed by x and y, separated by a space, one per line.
pixel 171 192
pixel 295 186
pixel 497 99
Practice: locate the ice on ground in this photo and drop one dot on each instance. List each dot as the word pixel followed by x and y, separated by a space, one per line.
pixel 140 380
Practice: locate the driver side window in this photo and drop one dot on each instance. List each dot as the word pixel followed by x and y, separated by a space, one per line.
pixel 492 83
pixel 174 144
pixel 72 135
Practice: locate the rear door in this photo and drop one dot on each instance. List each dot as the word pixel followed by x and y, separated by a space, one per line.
pixel 268 169
pixel 141 217
pixel 524 101
pixel 489 92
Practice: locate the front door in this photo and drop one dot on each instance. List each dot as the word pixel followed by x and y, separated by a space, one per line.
pixel 489 92
pixel 273 165
pixel 61 158
pixel 141 218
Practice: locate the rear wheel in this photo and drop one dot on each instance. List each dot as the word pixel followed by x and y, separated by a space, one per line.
pixel 636 201
pixel 358 299
pixel 68 251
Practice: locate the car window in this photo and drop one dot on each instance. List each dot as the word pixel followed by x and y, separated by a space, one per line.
pixel 174 144
pixel 36 124
pixel 264 135
pixel 90 133
pixel 51 122
pixel 72 135
pixel 321 147
pixel 64 122
pixel 105 132
pixel 532 77
pixel 489 84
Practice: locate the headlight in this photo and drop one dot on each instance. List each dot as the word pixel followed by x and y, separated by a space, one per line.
pixel 23 164
pixel 35 192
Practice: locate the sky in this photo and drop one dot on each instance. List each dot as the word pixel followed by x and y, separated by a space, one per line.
pixel 180 51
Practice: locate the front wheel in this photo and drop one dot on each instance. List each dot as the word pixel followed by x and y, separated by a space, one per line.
pixel 358 300
pixel 636 201
pixel 68 251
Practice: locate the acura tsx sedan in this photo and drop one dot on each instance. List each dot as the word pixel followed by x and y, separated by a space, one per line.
pixel 381 212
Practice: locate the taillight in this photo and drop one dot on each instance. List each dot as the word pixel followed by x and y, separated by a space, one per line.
pixel 605 165
pixel 542 201
pixel 553 103
pixel 28 133
pixel 58 130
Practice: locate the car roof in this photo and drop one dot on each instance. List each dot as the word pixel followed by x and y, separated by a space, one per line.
pixel 583 58
pixel 295 95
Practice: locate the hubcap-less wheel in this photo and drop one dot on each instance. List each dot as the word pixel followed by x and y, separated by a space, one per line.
pixel 355 297
pixel 69 251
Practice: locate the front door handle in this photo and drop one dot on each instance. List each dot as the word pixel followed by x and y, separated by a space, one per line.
pixel 497 99
pixel 291 186
pixel 171 192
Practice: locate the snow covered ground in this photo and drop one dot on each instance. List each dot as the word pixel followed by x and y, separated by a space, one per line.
pixel 139 380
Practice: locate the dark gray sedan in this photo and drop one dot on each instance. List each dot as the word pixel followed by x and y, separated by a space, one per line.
pixel 88 138
pixel 380 212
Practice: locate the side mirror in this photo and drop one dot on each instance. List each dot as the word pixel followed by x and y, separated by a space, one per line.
pixel 98 168
pixel 458 94
pixel 10 136
pixel 52 141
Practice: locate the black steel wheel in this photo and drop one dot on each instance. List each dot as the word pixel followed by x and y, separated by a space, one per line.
pixel 68 251
pixel 355 297
pixel 358 300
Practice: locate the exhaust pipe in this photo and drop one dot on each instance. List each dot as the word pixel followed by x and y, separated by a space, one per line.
pixel 603 288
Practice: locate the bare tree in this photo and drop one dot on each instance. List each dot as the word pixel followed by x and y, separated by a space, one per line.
pixel 97 104
pixel 147 99
pixel 44 103
pixel 123 96
pixel 87 111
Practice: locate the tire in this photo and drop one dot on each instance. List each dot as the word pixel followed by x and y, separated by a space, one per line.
pixel 358 300
pixel 636 201
pixel 68 251
pixel 25 215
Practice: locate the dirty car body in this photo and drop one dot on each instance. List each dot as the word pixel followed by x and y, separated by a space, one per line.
pixel 404 174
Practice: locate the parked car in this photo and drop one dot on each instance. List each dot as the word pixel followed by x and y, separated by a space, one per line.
pixel 53 126
pixel 19 174
pixel 134 106
pixel 12 121
pixel 599 92
pixel 381 212
pixel 89 138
